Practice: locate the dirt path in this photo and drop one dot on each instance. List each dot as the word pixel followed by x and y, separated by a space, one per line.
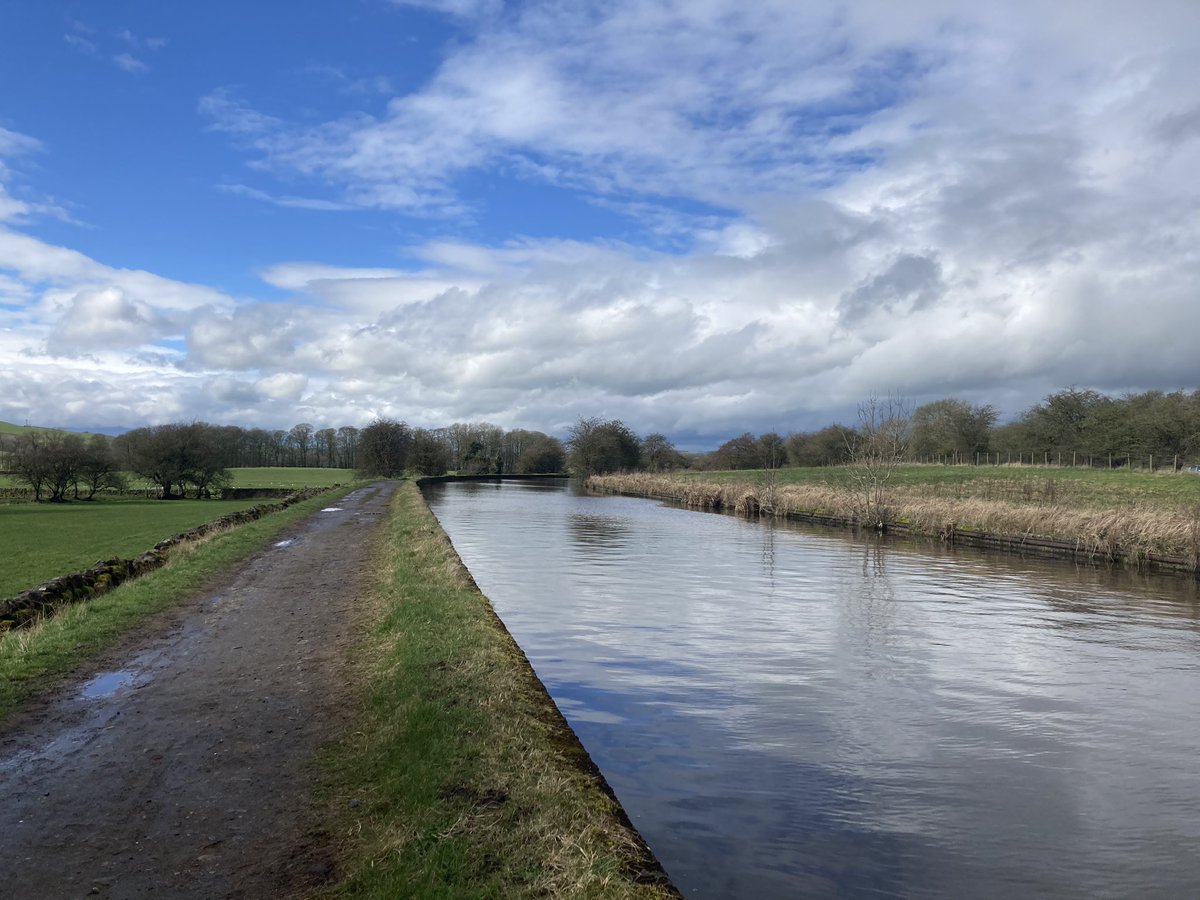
pixel 180 769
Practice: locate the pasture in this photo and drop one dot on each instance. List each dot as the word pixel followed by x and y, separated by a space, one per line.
pixel 289 477
pixel 42 540
pixel 1079 487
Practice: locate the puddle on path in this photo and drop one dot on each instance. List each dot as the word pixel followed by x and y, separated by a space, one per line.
pixel 332 509
pixel 105 683
pixel 285 543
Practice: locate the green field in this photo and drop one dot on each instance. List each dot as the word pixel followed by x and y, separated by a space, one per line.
pixel 1077 487
pixel 263 477
pixel 44 540
pixel 290 477
pixel 31 659
pixel 10 428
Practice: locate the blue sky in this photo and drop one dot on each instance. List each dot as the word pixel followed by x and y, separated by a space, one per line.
pixel 702 218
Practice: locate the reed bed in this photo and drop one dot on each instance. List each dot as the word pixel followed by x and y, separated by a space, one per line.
pixel 1131 533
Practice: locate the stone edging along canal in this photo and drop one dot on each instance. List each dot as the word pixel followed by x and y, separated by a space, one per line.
pixel 45 599
pixel 644 869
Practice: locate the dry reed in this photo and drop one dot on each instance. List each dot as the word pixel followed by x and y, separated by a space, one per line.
pixel 1133 533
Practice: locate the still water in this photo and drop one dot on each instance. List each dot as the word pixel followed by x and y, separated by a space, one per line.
pixel 785 711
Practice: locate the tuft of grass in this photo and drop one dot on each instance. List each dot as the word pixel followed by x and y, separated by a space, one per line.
pixel 34 659
pixel 462 779
pixel 44 540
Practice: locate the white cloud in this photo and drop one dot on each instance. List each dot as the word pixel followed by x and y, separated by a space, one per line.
pixel 475 11
pixel 130 63
pixel 287 202
pixel 934 198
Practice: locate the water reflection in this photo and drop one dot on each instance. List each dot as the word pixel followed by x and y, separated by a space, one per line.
pixel 599 534
pixel 787 711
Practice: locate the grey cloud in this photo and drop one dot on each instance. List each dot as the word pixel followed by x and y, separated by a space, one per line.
pixel 909 284
pixel 1179 127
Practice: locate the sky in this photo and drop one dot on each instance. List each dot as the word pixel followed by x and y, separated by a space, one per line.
pixel 701 217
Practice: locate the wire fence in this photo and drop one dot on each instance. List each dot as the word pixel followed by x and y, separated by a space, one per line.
pixel 1129 462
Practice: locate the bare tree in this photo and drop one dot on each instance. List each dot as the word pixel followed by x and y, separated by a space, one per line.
pixel 97 468
pixel 875 451
pixel 48 461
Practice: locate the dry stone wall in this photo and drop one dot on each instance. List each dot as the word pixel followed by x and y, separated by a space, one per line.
pixel 43 600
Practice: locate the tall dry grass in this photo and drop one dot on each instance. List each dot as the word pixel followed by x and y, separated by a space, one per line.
pixel 1132 533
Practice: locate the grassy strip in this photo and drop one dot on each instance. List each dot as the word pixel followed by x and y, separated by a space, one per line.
pixel 31 659
pixel 462 779
pixel 1122 529
pixel 289 477
pixel 44 540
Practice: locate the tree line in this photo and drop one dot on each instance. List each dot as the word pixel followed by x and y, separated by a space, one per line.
pixel 193 459
pixel 1081 426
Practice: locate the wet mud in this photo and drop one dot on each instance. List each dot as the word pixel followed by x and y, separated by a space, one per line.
pixel 180 766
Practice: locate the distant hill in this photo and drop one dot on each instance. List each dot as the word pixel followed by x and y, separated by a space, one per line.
pixel 10 428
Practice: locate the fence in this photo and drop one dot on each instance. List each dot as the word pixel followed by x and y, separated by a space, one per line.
pixel 1130 462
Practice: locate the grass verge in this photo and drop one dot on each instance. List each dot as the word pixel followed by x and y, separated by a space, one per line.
pixel 462 779
pixel 32 659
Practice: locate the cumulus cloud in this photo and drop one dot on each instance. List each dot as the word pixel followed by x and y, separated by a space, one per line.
pixel 839 198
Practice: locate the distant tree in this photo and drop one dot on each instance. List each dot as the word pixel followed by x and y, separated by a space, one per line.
pixel 1061 421
pixel 742 452
pixel 513 444
pixel 28 463
pixel 541 454
pixel 383 448
pixel 97 469
pixel 428 453
pixel 660 455
pixel 951 428
pixel 347 446
pixel 175 457
pixel 828 447
pixel 47 461
pixel 772 452
pixel 596 447
pixel 299 439
pixel 325 445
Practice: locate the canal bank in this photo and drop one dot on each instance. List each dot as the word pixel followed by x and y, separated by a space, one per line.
pixel 461 777
pixel 1143 538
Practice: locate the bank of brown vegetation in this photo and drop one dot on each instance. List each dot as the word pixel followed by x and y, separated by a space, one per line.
pixel 1133 534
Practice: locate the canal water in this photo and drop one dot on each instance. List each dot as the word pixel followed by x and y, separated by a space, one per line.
pixel 792 712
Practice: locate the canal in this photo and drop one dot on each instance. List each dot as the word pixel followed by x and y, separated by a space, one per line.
pixel 785 711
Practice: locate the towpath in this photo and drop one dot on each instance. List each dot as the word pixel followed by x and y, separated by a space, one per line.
pixel 181 768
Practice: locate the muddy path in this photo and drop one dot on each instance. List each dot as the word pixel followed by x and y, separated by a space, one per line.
pixel 180 767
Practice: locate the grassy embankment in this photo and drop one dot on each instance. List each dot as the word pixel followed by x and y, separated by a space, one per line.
pixel 32 658
pixel 462 780
pixel 43 540
pixel 1110 514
